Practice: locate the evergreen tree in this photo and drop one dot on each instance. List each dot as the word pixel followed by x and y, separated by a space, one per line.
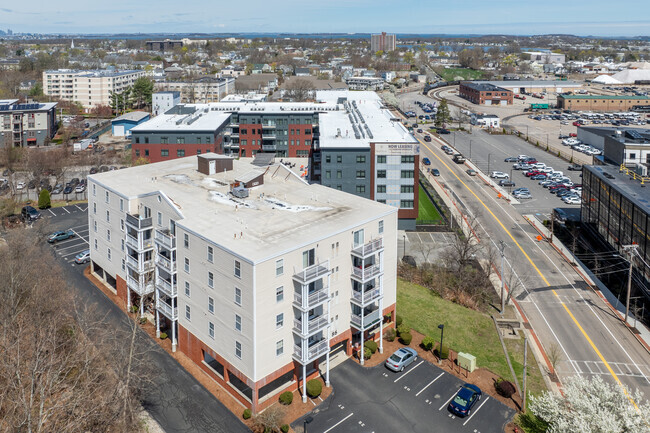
pixel 44 199
pixel 442 116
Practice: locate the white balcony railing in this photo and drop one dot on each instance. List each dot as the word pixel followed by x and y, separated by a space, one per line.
pixel 167 310
pixel 138 223
pixel 313 325
pixel 366 273
pixel 367 296
pixel 139 286
pixel 312 299
pixel 139 265
pixel 368 320
pixel 314 351
pixel 369 248
pixel 139 244
pixel 166 264
pixel 312 273
pixel 167 287
pixel 166 239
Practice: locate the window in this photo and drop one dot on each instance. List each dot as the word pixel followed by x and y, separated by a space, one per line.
pixel 407 174
pixel 188 312
pixel 237 322
pixel 279 348
pixel 406 204
pixel 361 189
pixel 122 225
pixel 210 254
pixel 123 265
pixel 95 226
pixel 210 280
pixel 211 305
pixel 187 265
pixel 408 159
pixel 137 140
pixel 339 158
pixel 328 158
pixel 328 174
pixel 164 152
pixel 307 131
pixel 238 349
pixel 108 235
pixel 339 174
pixel 238 296
pixel 279 267
pixel 107 198
pixel 180 153
pixel 381 226
pixel 211 329
pixel 381 159
pixel 121 205
pixel 279 294
pixel 361 174
pixel 361 159
pixel 95 243
pixel 237 269
pixel 187 289
pixel 381 189
pixel 95 208
pixel 146 152
pixel 94 189
pixel 108 216
pixel 159 218
pixel 279 321
pixel 164 140
pixel 243 131
pixel 381 174
pixel 108 254
pixel 358 238
pixel 186 240
pixel 406 189
pixel 122 244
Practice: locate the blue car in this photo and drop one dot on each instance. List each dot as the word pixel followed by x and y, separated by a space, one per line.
pixel 60 236
pixel 426 161
pixel 465 399
pixel 538 177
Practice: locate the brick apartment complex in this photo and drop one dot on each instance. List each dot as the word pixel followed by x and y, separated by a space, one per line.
pixel 485 93
pixel 26 124
pixel 601 102
pixel 343 137
pixel 256 275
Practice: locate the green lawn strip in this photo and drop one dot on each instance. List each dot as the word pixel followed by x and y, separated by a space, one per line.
pixel 426 210
pixel 465 331
pixel 450 74
pixel 68 203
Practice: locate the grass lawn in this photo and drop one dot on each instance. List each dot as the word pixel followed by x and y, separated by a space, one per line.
pixel 450 74
pixel 426 210
pixel 466 331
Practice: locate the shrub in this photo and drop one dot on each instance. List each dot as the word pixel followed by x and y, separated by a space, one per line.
pixel 133 309
pixel 284 428
pixel 427 343
pixel 247 414
pixel 398 320
pixel 403 329
pixel 390 334
pixel 314 388
pixel 405 338
pixel 444 353
pixel 370 344
pixel 44 199
pixel 286 398
pixel 143 320
pixel 163 335
pixel 367 353
pixel 505 388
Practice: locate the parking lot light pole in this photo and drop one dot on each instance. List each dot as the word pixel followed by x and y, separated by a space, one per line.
pixel 404 255
pixel 442 330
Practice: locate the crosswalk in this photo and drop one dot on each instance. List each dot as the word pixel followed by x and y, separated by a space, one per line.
pixel 599 368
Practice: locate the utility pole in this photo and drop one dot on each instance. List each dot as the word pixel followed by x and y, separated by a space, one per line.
pixel 524 378
pixel 552 224
pixel 630 249
pixel 502 247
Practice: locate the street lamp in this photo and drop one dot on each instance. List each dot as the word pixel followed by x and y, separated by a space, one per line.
pixel 442 330
pixel 305 422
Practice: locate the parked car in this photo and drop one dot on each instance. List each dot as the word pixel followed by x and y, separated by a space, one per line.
pixel 93 170
pixel 471 172
pixel 506 182
pixel 82 257
pixel 575 167
pixel 572 200
pixel 420 131
pixel 31 184
pixel 522 195
pixel 465 399
pixel 401 358
pixel 20 185
pixel 68 189
pixel 60 235
pixel 57 189
pixel 435 172
pixel 539 176
pixel 511 159
pixel 499 175
pixel 29 213
pixel 442 131
pixel 426 161
pixel 427 138
pixel 80 188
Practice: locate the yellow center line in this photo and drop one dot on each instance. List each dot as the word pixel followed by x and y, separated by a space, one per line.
pixel 584 333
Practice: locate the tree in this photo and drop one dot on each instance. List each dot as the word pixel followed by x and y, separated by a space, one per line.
pixel 141 91
pixel 443 115
pixel 44 199
pixel 591 406
pixel 299 90
pixel 471 58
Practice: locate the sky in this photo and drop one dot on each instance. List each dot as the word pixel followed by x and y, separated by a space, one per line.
pixel 512 17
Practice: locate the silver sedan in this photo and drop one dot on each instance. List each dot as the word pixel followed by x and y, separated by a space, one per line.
pixel 401 358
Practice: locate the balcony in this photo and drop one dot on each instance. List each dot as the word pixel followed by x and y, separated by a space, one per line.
pixel 267 136
pixel 367 296
pixel 166 264
pixel 311 300
pixel 312 326
pixel 138 223
pixel 367 273
pixel 314 351
pixel 169 311
pixel 269 147
pixel 368 249
pixel 139 286
pixel 167 287
pixel 138 265
pixel 139 244
pixel 165 239
pixel 368 320
pixel 312 273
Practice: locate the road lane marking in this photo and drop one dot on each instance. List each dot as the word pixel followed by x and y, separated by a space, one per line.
pixel 477 409
pixel 573 318
pixel 420 392
pixel 337 424
pixel 450 398
pixel 395 381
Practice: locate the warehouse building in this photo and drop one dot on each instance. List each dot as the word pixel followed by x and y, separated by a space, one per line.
pixel 254 274
pixel 536 86
pixel 601 102
pixel 482 93
pixel 121 126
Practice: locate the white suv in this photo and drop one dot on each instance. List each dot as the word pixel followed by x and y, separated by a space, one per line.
pixel 499 175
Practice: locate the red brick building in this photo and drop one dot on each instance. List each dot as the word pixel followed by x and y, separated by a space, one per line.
pixel 485 93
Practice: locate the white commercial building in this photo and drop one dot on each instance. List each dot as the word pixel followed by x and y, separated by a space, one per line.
pixel 88 88
pixel 254 274
pixel 163 101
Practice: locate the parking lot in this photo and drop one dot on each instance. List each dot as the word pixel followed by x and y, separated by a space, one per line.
pixel 378 400
pixel 75 218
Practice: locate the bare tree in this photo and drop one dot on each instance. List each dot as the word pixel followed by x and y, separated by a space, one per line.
pixel 270 419
pixel 299 89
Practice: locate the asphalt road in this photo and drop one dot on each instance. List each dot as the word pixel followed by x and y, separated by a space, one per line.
pixel 562 310
pixel 378 400
pixel 177 401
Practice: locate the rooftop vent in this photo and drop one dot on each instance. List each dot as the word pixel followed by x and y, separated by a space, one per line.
pixel 240 192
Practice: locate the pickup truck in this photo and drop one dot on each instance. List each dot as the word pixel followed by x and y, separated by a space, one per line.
pixel 459 159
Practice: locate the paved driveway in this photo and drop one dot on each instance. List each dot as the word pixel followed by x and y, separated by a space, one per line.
pixel 378 400
pixel 176 399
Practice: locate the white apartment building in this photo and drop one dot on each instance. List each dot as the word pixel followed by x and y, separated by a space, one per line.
pixel 163 101
pixel 256 275
pixel 89 88
pixel 202 90
pixel 365 83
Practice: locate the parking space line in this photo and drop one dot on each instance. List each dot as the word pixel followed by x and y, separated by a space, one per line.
pixel 62 251
pixel 65 209
pixel 67 240
pixel 479 408
pixel 420 392
pixel 50 210
pixel 80 237
pixel 74 253
pixel 337 424
pixel 85 226
pixel 452 396
pixel 77 206
pixel 395 381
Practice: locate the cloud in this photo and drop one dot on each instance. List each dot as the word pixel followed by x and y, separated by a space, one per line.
pixel 6 10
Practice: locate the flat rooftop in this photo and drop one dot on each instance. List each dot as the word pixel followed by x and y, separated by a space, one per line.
pixel 482 86
pixel 630 188
pixel 532 83
pixel 202 119
pixel 93 72
pixel 282 214
pixel 610 97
